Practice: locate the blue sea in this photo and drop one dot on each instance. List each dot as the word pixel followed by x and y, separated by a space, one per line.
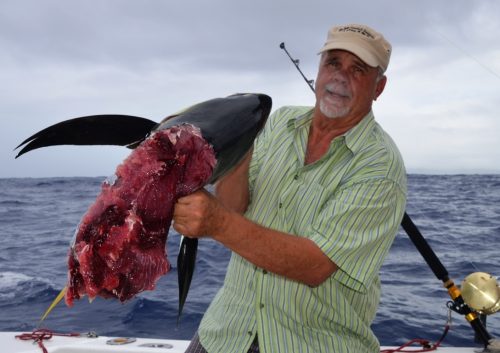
pixel 458 214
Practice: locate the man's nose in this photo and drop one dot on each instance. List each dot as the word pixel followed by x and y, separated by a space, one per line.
pixel 340 76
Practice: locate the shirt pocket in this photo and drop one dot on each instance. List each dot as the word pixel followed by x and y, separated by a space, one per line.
pixel 300 204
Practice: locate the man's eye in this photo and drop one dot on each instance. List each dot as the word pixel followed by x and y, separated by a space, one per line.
pixel 359 70
pixel 334 63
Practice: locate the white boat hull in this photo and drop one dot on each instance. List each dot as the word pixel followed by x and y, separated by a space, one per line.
pixel 83 344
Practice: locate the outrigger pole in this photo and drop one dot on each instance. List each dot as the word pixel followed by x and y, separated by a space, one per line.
pixel 458 305
pixel 296 63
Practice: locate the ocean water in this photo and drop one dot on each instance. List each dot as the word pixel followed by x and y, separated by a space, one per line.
pixel 458 214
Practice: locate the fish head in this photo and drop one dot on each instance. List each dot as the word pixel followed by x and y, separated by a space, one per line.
pixel 229 124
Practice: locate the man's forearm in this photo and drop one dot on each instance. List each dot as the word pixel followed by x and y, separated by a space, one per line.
pixel 294 257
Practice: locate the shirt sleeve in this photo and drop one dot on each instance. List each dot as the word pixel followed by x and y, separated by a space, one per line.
pixel 260 148
pixel 356 228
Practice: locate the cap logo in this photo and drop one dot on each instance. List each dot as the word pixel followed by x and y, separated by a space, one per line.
pixel 358 30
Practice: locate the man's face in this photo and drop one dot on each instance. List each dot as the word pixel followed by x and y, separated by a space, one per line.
pixel 346 86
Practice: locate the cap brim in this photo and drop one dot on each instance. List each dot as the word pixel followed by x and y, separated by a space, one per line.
pixel 366 56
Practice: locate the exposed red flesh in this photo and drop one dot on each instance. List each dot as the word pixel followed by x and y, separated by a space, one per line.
pixel 119 249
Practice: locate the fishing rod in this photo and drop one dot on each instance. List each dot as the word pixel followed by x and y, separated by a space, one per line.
pixel 296 63
pixel 457 304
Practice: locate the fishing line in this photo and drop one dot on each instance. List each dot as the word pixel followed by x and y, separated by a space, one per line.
pixel 488 69
pixel 472 57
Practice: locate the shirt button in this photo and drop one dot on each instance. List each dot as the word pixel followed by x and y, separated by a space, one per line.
pixel 296 177
pixel 264 272
pixel 261 305
pixel 250 333
pixel 280 205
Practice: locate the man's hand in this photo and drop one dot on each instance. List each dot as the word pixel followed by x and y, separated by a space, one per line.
pixel 199 214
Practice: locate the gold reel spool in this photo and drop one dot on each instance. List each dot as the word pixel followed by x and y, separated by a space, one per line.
pixel 481 292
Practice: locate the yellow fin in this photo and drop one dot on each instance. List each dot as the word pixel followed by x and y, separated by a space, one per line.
pixel 54 303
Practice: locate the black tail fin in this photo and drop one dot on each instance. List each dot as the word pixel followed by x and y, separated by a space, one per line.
pixel 121 130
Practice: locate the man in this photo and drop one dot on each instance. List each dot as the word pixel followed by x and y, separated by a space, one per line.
pixel 309 216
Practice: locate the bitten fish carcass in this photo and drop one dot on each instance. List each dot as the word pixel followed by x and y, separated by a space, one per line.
pixel 119 247
pixel 118 250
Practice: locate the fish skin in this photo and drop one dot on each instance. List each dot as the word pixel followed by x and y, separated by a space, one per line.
pixel 231 129
pixel 229 124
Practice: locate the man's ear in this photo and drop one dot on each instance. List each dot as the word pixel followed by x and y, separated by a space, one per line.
pixel 380 87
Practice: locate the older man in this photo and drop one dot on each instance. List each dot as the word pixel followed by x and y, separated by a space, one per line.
pixel 310 215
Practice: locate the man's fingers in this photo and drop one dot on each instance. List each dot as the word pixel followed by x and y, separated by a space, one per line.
pixel 193 214
pixel 179 227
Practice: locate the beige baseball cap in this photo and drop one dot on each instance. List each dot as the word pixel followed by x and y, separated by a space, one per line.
pixel 361 40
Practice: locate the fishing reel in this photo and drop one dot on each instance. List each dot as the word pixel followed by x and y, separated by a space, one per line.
pixel 481 292
pixel 479 296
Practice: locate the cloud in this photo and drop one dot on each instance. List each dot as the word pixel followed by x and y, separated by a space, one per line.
pixel 150 58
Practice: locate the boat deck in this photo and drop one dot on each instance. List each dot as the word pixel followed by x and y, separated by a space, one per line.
pixel 84 344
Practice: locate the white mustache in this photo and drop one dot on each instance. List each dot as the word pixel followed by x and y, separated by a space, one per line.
pixel 338 89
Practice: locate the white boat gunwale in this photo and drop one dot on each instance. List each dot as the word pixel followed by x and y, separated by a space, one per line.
pixel 84 344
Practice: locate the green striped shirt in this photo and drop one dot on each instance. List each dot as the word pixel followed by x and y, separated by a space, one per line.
pixel 350 203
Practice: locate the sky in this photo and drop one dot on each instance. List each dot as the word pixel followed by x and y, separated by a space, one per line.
pixel 61 59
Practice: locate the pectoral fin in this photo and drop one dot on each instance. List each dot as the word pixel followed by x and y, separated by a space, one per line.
pixel 185 269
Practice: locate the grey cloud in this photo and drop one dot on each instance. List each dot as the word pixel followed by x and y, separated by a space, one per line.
pixel 64 58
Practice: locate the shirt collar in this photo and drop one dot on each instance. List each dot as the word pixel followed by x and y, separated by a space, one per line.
pixel 354 138
pixel 301 120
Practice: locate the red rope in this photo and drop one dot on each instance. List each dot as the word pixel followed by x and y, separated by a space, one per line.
pixel 426 345
pixel 43 334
